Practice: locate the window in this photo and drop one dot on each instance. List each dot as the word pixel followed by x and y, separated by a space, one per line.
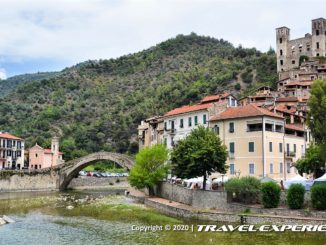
pixel 232 169
pixel 216 130
pixel 204 119
pixel 181 123
pixel 251 146
pixel 281 168
pixel 281 62
pixel 288 166
pixel 293 62
pixel 288 148
pixel 254 127
pixel 281 52
pixel 317 54
pixel 231 127
pixel 231 150
pixel 165 126
pixel 165 141
pixel 172 125
pixel 294 148
pixel 251 168
pixel 281 40
pixel 280 147
pixel 196 120
pixel 189 121
pixel 317 32
pixel 317 44
pixel 270 146
pixel 271 168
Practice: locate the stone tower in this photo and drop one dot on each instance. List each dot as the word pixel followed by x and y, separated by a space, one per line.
pixel 282 39
pixel 318 37
pixel 55 150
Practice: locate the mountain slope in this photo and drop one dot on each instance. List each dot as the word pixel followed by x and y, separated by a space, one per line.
pixel 98 104
pixel 9 85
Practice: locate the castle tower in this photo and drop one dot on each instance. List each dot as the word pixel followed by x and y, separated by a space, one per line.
pixel 318 30
pixel 282 38
pixel 55 150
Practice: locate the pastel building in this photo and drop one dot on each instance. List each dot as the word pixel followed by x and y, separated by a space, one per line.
pixel 11 151
pixel 259 142
pixel 44 158
pixel 179 122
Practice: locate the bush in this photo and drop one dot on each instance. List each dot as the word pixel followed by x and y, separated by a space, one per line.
pixel 245 188
pixel 295 196
pixel 318 196
pixel 271 194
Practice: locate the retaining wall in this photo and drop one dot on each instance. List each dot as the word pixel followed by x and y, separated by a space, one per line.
pixel 194 198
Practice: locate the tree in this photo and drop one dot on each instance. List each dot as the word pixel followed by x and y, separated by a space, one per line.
pixel 312 162
pixel 199 154
pixel 317 116
pixel 150 167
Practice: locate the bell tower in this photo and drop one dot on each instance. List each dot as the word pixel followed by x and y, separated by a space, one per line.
pixel 282 38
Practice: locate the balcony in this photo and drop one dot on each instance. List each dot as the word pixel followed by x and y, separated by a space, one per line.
pixel 231 155
pixel 290 154
pixel 171 131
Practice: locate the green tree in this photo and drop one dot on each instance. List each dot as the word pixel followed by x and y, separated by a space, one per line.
pixel 317 116
pixel 150 167
pixel 312 162
pixel 199 154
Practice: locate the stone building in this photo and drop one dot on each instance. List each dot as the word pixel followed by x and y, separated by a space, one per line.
pixel 289 51
pixel 40 157
pixel 150 131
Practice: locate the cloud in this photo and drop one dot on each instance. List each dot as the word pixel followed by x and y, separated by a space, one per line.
pixel 3 74
pixel 76 30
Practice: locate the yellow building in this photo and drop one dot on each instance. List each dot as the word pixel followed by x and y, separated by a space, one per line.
pixel 257 142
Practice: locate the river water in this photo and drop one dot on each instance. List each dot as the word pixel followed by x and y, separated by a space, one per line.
pixel 102 217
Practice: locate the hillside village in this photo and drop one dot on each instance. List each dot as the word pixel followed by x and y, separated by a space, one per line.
pixel 265 132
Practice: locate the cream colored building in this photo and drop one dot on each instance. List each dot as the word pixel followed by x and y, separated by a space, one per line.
pixel 257 142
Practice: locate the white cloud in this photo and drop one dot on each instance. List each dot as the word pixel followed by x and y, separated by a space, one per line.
pixel 3 74
pixel 78 30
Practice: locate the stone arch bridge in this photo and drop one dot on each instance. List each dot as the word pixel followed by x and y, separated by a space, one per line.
pixel 59 177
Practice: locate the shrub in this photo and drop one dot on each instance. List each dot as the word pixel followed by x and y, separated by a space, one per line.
pixel 295 196
pixel 245 188
pixel 271 194
pixel 318 196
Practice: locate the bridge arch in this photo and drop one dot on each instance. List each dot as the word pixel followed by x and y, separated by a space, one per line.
pixel 71 168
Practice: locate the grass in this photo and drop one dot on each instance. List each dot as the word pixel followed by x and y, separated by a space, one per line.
pixel 110 209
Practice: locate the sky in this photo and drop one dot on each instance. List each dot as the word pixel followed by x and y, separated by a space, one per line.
pixel 49 35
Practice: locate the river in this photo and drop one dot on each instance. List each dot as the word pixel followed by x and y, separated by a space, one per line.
pixel 102 217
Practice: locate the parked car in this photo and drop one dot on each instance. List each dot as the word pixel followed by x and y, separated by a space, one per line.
pixel 95 174
pixel 82 173
pixel 89 174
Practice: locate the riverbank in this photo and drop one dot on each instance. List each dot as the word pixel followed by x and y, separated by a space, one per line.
pixel 233 213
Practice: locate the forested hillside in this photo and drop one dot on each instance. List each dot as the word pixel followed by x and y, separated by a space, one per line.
pixel 9 85
pixel 98 104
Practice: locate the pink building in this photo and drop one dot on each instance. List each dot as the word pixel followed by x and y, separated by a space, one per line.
pixel 44 158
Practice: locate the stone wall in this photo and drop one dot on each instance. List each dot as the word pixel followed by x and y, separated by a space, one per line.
pixel 195 198
pixel 230 217
pixel 87 181
pixel 26 182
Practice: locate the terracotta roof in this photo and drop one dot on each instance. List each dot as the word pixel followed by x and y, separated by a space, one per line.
pixel 48 151
pixel 300 83
pixel 249 110
pixel 188 108
pixel 214 97
pixel 294 127
pixel 283 79
pixel 287 99
pixel 9 136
